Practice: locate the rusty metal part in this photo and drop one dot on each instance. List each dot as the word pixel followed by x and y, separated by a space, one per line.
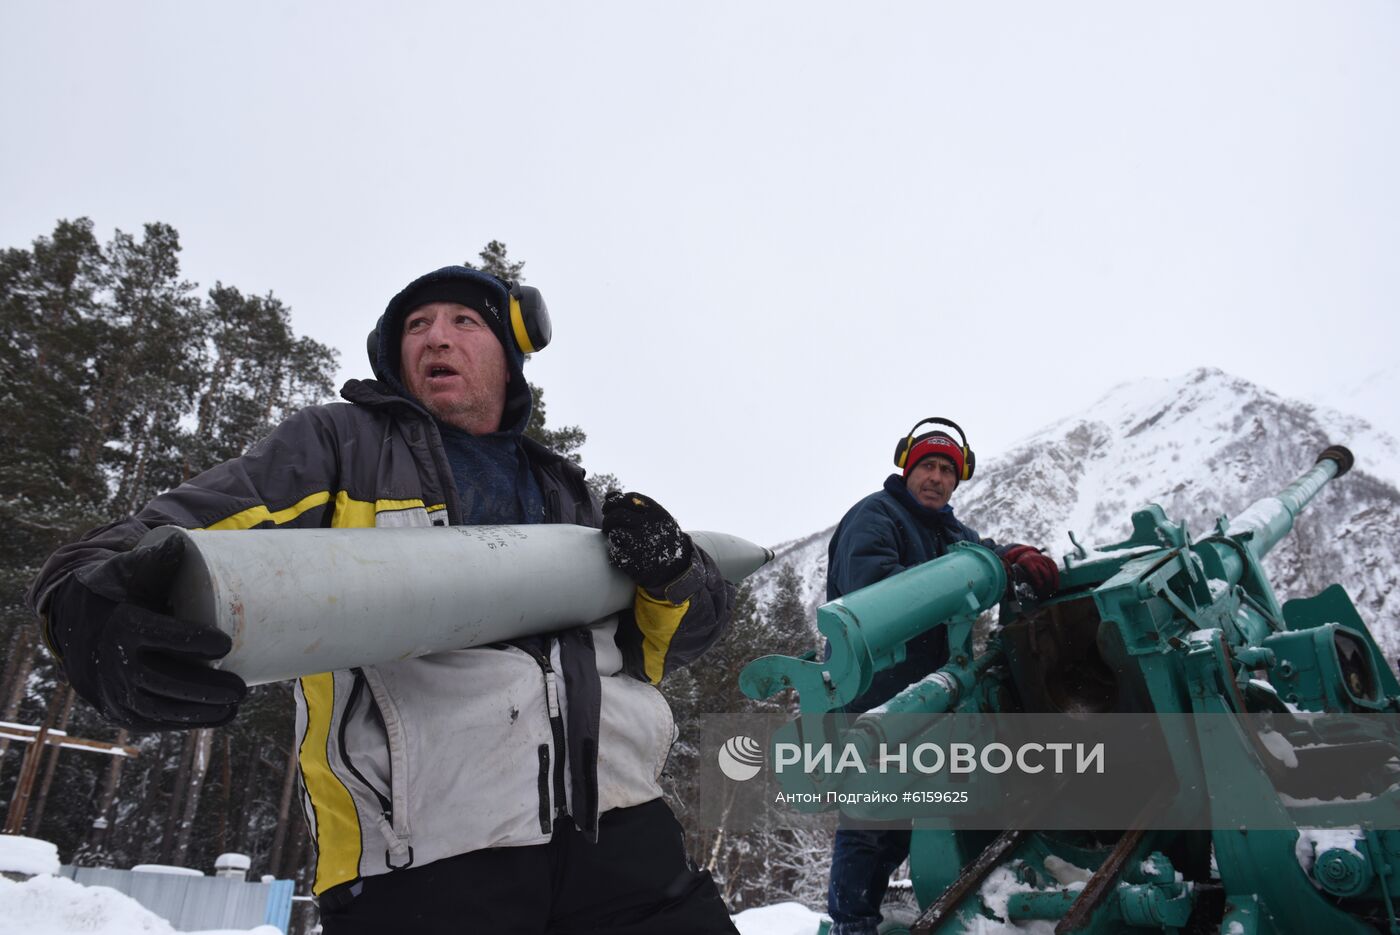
pixel 969 880
pixel 1100 884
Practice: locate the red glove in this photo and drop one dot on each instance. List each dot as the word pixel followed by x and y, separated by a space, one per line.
pixel 1035 568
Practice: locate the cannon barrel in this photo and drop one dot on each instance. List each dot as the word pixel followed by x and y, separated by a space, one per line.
pixel 1268 520
pixel 868 628
pixel 300 601
pixel 889 613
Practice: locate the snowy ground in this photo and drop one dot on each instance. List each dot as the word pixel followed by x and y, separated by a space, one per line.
pixel 781 919
pixel 46 905
pixel 794 919
pixel 53 905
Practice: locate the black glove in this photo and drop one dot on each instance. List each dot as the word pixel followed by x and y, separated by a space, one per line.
pixel 1028 565
pixel 643 540
pixel 136 664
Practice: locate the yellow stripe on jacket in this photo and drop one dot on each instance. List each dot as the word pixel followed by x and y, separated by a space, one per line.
pixel 254 515
pixel 338 833
pixel 354 514
pixel 658 621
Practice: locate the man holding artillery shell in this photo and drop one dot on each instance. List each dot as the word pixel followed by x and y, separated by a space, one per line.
pixel 502 788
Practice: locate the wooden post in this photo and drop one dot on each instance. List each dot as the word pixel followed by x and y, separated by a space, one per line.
pixel 24 786
pixel 68 696
pixel 38 738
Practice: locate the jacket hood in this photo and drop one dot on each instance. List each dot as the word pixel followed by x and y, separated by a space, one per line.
pixel 466 286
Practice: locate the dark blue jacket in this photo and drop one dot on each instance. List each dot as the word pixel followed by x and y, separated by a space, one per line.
pixel 882 535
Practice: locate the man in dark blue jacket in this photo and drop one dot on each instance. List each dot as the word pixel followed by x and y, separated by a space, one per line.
pixel 908 522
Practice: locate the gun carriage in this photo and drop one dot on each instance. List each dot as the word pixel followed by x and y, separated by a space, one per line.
pixel 1162 626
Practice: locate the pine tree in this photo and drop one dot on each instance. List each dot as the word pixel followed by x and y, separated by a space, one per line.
pixel 494 261
pixel 118 380
pixel 52 320
pixel 791 629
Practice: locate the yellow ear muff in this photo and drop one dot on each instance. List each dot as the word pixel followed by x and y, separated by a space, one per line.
pixel 529 319
pixel 517 325
pixel 901 451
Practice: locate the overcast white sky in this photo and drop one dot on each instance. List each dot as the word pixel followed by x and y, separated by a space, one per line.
pixel 771 235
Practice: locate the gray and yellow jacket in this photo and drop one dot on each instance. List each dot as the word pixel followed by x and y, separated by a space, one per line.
pixel 413 761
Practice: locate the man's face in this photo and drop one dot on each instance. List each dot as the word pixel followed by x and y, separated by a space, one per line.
pixel 452 363
pixel 932 480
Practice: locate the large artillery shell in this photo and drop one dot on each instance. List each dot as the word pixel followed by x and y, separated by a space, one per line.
pixel 301 601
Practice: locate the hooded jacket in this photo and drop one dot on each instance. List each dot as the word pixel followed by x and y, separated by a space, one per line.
pixel 409 762
pixel 882 535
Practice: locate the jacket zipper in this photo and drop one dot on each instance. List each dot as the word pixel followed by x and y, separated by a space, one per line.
pixel 556 726
pixel 545 822
pixel 385 805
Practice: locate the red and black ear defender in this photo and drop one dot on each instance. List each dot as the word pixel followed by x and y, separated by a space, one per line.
pixel 907 443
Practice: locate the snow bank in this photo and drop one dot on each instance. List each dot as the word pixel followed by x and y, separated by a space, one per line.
pixel 778 919
pixel 795 919
pixel 19 854
pixel 981 926
pixel 48 905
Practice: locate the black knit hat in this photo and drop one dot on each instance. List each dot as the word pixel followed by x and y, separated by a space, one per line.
pixel 463 285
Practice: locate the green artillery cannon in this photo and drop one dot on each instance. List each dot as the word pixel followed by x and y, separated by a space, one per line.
pixel 1160 627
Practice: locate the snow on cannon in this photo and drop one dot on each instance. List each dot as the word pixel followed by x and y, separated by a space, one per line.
pixel 301 601
pixel 1264 780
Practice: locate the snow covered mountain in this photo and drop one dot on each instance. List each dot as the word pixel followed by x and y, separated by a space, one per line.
pixel 1199 445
